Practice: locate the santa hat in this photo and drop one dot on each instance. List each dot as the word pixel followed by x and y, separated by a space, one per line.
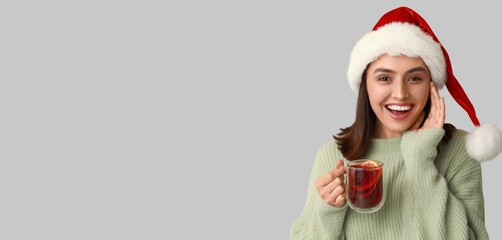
pixel 402 31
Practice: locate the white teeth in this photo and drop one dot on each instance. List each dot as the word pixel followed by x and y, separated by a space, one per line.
pixel 399 108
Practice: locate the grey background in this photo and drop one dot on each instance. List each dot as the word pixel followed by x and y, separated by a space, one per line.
pixel 195 119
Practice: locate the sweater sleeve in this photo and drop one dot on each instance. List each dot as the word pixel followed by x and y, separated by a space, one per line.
pixel 319 220
pixel 442 191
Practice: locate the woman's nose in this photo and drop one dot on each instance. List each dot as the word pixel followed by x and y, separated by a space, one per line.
pixel 400 91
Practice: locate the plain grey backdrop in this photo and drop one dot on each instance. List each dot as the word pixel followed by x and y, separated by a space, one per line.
pixel 196 119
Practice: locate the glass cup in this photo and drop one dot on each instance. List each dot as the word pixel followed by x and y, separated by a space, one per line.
pixel 364 185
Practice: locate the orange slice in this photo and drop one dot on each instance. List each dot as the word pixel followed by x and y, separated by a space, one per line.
pixel 370 164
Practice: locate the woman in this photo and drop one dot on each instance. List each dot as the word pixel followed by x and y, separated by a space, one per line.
pixel 432 177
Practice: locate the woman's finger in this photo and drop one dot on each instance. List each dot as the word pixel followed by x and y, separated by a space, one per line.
pixel 439 109
pixel 434 102
pixel 340 201
pixel 442 112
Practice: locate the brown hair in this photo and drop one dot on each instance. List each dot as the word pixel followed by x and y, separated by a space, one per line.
pixel 354 141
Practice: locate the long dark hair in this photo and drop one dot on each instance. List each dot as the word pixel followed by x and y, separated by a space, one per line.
pixel 354 141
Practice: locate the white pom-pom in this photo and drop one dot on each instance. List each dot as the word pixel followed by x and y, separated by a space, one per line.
pixel 484 143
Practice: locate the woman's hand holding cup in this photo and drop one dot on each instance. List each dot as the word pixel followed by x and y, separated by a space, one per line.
pixel 331 186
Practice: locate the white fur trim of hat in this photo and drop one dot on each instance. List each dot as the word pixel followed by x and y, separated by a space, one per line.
pixel 397 38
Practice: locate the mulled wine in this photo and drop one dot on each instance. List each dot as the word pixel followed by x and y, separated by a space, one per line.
pixel 365 191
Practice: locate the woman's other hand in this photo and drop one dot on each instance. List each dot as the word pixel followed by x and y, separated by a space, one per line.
pixel 437 113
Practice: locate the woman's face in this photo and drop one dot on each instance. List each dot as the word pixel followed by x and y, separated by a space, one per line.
pixel 398 90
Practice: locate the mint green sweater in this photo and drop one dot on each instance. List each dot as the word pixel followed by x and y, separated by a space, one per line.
pixel 431 194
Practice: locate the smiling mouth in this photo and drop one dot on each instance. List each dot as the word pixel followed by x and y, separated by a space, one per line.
pixel 398 109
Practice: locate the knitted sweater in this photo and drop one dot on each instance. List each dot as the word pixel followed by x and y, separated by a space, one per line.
pixel 430 194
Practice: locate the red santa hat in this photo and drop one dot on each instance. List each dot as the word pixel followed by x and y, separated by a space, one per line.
pixel 402 31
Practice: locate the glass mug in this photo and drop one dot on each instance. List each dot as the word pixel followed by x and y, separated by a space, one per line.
pixel 364 185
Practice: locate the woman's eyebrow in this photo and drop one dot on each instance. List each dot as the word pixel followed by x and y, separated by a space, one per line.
pixel 416 69
pixel 386 70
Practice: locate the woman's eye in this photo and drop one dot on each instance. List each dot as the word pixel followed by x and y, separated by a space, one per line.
pixel 385 79
pixel 415 79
